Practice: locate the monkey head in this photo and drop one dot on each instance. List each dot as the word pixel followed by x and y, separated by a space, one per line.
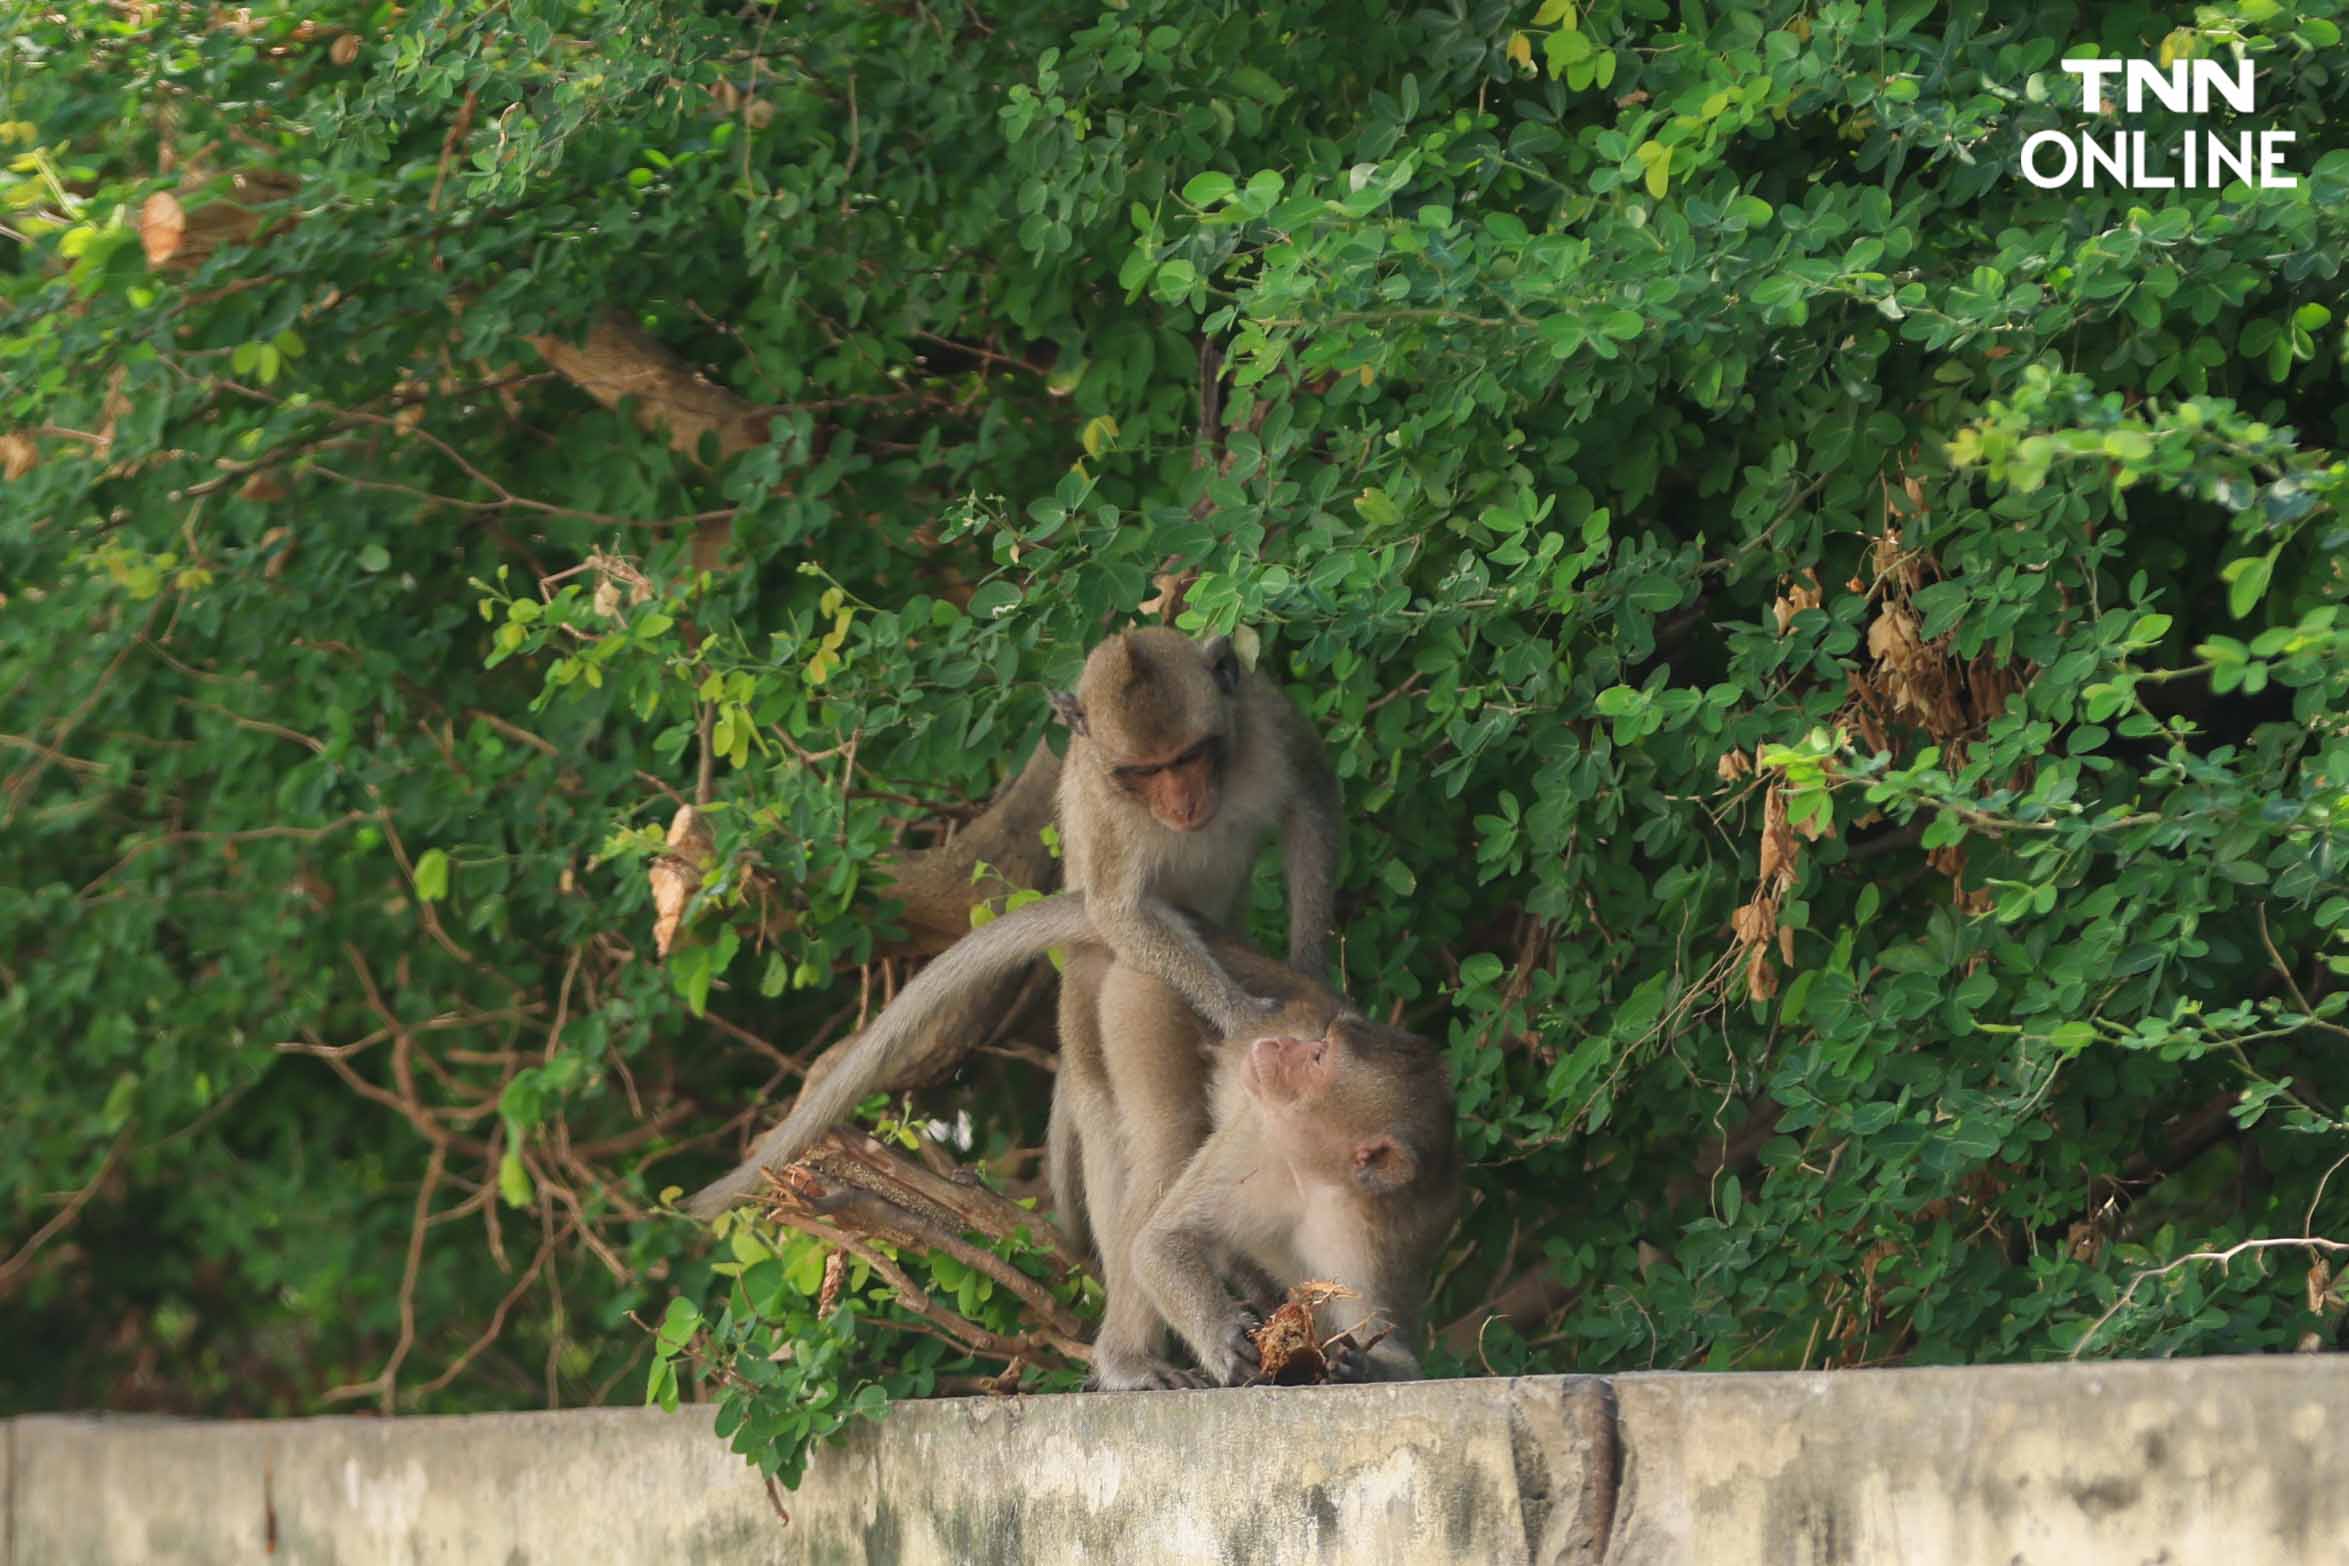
pixel 1364 1104
pixel 1157 713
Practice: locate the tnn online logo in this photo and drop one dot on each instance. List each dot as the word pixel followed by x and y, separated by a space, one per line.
pixel 2207 159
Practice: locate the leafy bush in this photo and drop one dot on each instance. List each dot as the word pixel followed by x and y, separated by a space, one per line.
pixel 1833 649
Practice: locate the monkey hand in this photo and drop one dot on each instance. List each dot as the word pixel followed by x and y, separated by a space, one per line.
pixel 1233 1360
pixel 1248 1016
pixel 1346 1361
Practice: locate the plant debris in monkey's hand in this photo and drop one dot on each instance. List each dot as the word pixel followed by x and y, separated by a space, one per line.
pixel 1290 1348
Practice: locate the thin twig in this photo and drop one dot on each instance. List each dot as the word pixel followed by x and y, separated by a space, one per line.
pixel 2311 1241
pixel 64 1218
pixel 385 1382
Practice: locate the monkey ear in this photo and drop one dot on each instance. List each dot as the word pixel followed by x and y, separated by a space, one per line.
pixel 1222 662
pixel 1068 710
pixel 1383 1164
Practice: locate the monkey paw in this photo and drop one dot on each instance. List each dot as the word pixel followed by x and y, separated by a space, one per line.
pixel 1346 1361
pixel 1144 1373
pixel 1234 1361
pixel 1253 1016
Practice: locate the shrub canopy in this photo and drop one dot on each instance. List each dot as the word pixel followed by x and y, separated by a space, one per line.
pixel 1832 648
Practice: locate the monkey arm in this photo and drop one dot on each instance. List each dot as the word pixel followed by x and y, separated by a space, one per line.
pixel 1175 1257
pixel 1153 935
pixel 985 954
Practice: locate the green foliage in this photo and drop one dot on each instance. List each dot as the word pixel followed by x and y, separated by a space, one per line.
pixel 1833 650
pixel 788 1367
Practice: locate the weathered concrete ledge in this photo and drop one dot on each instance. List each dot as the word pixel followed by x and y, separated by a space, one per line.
pixel 2239 1461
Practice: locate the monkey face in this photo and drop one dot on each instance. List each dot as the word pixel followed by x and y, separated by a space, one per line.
pixel 1182 793
pixel 1336 1109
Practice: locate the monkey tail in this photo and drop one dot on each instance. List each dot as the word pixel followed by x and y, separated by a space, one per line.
pixel 994 949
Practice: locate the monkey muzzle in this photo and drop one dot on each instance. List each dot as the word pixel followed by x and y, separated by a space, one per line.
pixel 1283 1070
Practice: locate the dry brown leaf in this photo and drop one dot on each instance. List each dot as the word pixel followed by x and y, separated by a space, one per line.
pixel 676 875
pixel 1780 852
pixel 1761 979
pixel 1794 601
pixel 345 49
pixel 1733 766
pixel 163 222
pixel 277 559
pixel 835 1272
pixel 1892 636
pixel 1168 601
pixel 263 486
pixel 18 456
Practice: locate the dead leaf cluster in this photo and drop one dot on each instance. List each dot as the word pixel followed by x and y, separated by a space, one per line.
pixel 872 1202
pixel 1755 928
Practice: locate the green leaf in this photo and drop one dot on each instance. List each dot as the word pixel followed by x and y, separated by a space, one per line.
pixel 1655 594
pixel 2247 580
pixel 1373 506
pixel 1656 159
pixel 678 1325
pixel 2072 1037
pixel 1481 970
pixel 432 875
pixel 992 601
pixel 1175 280
pixel 514 1184
pixel 1618 700
pixel 1210 189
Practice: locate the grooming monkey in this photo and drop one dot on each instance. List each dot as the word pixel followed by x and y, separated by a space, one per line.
pixel 1180 763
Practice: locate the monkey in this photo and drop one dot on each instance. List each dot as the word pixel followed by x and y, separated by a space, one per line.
pixel 1332 1159
pixel 1180 762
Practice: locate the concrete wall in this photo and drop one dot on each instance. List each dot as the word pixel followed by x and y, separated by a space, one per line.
pixel 2242 1462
